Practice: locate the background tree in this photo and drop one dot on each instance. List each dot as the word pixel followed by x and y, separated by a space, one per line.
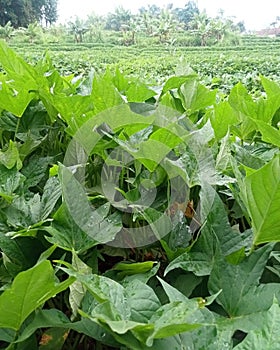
pixel 49 12
pixel 166 24
pixel 78 27
pixel 33 31
pixel 276 23
pixel 147 20
pixel 119 18
pixel 7 31
pixel 131 30
pixel 153 10
pixel 158 22
pixel 201 27
pixel 23 12
pixel 11 11
pixel 186 15
pixel 96 27
pixel 240 26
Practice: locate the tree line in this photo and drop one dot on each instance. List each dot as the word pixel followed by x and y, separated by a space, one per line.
pixel 162 24
pixel 20 13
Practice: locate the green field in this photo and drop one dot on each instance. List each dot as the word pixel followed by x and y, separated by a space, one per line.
pixel 140 196
pixel 217 66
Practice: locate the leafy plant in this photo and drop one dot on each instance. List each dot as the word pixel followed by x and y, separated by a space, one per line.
pixel 134 216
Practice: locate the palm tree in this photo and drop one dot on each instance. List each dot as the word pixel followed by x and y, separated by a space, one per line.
pixel 33 31
pixel 224 29
pixel 160 25
pixel 201 27
pixel 148 22
pixel 131 29
pixel 96 26
pixel 166 24
pixel 120 17
pixel 78 28
pixel 7 31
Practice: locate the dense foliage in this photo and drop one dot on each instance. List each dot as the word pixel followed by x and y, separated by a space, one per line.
pixel 135 216
pixel 218 67
pixel 151 23
pixel 20 13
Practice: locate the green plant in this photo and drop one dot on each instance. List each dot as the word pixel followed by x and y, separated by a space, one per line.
pixel 136 217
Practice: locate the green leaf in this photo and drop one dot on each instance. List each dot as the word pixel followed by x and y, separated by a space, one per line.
pixel 36 169
pixel 10 157
pixel 23 213
pixel 95 223
pixel 15 103
pixel 196 96
pixel 208 337
pixel 120 80
pixel 247 110
pixel 263 201
pixel 66 234
pixel 200 263
pixel 17 91
pixel 173 293
pixel 127 268
pixel 136 308
pixel 267 337
pixel 176 82
pixel 73 109
pixel 248 157
pixel 169 136
pixel 267 108
pixel 77 290
pixel 270 86
pixel 213 213
pixel 53 339
pixel 39 284
pixel 222 117
pixel 172 102
pixel 269 133
pixel 139 92
pixel 242 293
pixel 242 101
pixel 104 94
pixel 51 194
pixel 173 318
pixel 55 318
pixel 142 301
pixel 10 181
pixel 7 335
pixel 14 64
pixel 19 253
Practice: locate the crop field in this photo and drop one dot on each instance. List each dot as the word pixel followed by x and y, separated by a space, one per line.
pixel 140 197
pixel 221 67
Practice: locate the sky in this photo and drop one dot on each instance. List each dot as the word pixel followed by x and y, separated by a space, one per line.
pixel 257 14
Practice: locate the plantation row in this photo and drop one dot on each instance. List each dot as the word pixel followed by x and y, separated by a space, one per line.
pixel 135 216
pixel 219 67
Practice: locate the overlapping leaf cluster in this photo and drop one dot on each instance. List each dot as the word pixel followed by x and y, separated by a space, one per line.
pixel 209 282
